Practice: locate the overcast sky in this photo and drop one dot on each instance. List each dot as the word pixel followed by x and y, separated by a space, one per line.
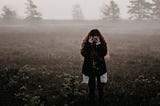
pixel 62 9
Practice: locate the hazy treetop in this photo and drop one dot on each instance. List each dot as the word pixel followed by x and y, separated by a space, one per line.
pixel 62 9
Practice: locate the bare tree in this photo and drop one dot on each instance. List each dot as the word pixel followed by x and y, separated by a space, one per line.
pixel 156 9
pixel 8 15
pixel 77 12
pixel 139 10
pixel 32 13
pixel 111 11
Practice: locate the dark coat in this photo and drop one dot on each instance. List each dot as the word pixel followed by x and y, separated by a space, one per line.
pixel 90 51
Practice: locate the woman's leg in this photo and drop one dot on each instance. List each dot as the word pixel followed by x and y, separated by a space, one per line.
pixel 100 90
pixel 92 86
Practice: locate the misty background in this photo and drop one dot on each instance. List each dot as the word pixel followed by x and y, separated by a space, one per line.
pixel 40 59
pixel 62 9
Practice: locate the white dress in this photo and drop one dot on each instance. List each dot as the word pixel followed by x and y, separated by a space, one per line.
pixel 103 78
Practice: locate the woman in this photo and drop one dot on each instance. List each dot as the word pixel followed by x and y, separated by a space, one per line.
pixel 94 49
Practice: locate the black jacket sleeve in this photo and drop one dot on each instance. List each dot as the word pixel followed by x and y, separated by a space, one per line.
pixel 85 51
pixel 102 49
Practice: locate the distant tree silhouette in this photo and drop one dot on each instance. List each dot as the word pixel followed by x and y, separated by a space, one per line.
pixel 32 13
pixel 111 12
pixel 139 10
pixel 156 9
pixel 77 12
pixel 8 15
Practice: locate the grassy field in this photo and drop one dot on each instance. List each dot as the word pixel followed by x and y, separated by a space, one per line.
pixel 40 65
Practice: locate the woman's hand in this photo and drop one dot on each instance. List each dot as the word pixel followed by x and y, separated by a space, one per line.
pixel 90 40
pixel 94 40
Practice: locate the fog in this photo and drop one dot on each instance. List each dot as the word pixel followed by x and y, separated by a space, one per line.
pixel 41 61
pixel 62 9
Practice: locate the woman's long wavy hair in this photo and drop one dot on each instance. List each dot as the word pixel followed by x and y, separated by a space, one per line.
pixel 94 32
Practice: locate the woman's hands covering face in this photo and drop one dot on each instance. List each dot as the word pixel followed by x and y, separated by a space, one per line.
pixel 94 39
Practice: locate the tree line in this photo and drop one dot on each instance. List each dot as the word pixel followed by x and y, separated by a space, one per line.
pixel 32 15
pixel 137 10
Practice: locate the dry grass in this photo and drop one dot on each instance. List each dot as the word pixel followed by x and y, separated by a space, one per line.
pixel 55 48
